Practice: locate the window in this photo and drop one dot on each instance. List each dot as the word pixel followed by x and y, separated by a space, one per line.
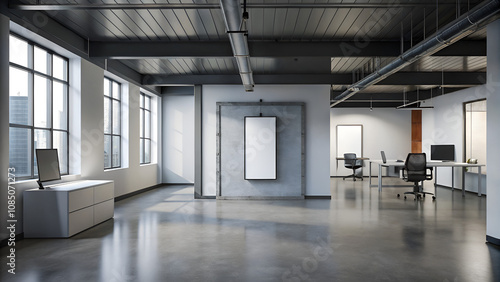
pixel 38 106
pixel 145 106
pixel 112 124
pixel 475 131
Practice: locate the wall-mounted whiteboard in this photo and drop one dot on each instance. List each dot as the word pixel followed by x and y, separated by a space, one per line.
pixel 260 148
pixel 349 139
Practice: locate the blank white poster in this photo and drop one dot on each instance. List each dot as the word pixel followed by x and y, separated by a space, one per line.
pixel 349 140
pixel 260 147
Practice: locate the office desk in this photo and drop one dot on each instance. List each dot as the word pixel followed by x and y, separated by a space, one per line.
pixel 343 159
pixel 429 164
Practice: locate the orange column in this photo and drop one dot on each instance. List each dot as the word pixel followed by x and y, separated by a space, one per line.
pixel 416 131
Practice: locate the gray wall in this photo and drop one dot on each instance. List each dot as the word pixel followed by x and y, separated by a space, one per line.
pixel 317 129
pixel 289 127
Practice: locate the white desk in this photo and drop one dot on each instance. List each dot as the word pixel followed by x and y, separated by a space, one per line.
pixel 65 209
pixel 430 164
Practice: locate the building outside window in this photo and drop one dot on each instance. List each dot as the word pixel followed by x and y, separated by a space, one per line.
pixel 112 124
pixel 145 134
pixel 38 106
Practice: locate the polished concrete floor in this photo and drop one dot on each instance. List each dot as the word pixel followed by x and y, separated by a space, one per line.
pixel 358 235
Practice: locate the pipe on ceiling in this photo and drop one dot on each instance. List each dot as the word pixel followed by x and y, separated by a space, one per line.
pixel 233 18
pixel 448 35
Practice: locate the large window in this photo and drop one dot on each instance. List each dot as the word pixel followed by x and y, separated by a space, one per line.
pixel 475 132
pixel 112 124
pixel 38 106
pixel 145 118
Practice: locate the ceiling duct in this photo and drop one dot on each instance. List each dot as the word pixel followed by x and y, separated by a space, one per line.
pixel 231 10
pixel 448 35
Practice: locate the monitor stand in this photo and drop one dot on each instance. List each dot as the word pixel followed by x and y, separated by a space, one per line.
pixel 40 186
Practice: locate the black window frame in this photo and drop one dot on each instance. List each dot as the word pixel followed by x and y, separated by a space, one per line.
pixel 142 136
pixel 112 134
pixel 30 69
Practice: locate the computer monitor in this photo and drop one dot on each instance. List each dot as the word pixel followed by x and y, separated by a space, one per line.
pixel 384 159
pixel 443 152
pixel 48 166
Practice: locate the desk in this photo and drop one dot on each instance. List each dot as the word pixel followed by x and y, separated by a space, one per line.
pixel 343 159
pixel 430 164
pixel 67 208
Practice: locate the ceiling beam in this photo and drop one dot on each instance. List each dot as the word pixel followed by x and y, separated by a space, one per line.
pixel 435 78
pixel 148 49
pixel 392 100
pixel 392 96
pixel 141 6
pixel 401 78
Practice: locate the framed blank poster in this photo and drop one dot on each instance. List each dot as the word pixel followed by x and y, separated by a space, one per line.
pixel 260 148
pixel 349 139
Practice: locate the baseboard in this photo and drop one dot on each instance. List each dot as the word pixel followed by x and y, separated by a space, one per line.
pixel 318 197
pixel 492 240
pixel 5 242
pixel 131 194
pixel 259 198
pixel 178 184
pixel 198 196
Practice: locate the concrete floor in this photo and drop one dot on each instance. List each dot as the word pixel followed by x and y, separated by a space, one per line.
pixel 359 235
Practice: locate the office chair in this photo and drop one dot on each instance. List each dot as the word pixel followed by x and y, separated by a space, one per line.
pixel 351 162
pixel 415 170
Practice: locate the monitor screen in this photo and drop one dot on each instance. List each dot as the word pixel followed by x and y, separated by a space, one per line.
pixel 443 152
pixel 48 165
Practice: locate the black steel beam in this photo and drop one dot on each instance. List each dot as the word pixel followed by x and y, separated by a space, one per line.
pixel 149 49
pixel 435 78
pixel 384 100
pixel 403 78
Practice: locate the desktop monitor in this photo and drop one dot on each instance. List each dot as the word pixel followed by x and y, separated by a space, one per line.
pixel 384 159
pixel 443 152
pixel 48 166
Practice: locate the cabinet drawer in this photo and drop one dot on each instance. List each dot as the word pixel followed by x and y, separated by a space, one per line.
pixel 104 211
pixel 80 220
pixel 81 198
pixel 104 192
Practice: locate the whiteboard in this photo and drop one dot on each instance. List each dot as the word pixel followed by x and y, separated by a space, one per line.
pixel 349 139
pixel 260 148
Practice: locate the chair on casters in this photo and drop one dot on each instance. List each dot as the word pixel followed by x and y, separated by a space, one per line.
pixel 351 162
pixel 416 170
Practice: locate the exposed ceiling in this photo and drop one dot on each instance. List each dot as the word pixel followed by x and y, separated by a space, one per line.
pixel 290 42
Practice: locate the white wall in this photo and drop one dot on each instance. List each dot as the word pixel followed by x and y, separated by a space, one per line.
pixel 317 100
pixel 445 125
pixel 127 179
pixel 493 131
pixel 386 130
pixel 178 138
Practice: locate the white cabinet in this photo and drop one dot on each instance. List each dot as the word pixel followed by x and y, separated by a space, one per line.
pixel 66 209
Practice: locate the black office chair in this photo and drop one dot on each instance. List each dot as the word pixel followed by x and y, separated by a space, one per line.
pixel 416 170
pixel 351 162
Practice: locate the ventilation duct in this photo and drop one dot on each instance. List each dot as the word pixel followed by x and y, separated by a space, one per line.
pixel 448 35
pixel 231 10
